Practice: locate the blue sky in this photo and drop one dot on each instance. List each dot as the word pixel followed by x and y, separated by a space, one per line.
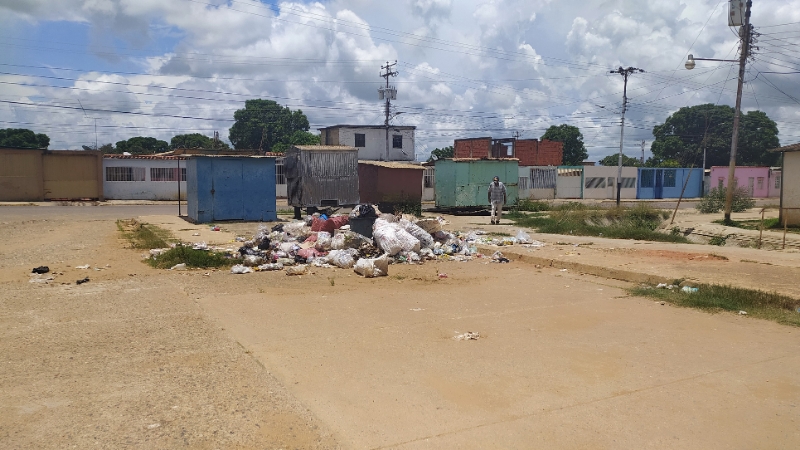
pixel 467 68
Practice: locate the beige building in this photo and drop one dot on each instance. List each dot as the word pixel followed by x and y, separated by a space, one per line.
pixel 29 175
pixel 790 189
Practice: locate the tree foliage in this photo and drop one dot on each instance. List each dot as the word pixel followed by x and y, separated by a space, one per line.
pixel 196 140
pixel 571 137
pixel 23 138
pixel 714 202
pixel 442 153
pixel 264 123
pixel 685 133
pixel 627 161
pixel 296 138
pixel 140 145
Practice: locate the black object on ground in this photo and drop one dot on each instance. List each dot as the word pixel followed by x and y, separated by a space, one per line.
pixel 84 280
pixel 40 269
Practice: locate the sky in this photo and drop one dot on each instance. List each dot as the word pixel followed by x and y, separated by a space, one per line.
pixel 86 71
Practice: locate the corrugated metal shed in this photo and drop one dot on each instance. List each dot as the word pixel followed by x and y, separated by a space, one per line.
pixel 230 188
pixel 321 175
pixel 388 183
pixel 464 182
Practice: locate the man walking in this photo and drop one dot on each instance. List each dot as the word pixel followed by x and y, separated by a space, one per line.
pixel 497 198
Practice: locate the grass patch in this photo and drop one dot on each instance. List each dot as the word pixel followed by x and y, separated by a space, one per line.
pixel 531 205
pixel 143 235
pixel 715 298
pixel 285 212
pixel 772 223
pixel 189 256
pixel 498 234
pixel 639 222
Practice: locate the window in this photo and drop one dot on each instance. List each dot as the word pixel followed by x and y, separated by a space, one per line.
pixel 397 141
pixel 647 178
pixel 361 140
pixel 595 183
pixel 166 174
pixel 669 177
pixel 429 178
pixel 124 173
pixel 777 181
pixel 522 184
pixel 280 175
pixel 628 182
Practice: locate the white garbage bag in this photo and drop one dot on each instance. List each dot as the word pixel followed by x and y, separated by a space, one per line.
pixel 344 258
pixel 523 237
pixel 372 267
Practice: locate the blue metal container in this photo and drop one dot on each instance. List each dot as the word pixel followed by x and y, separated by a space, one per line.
pixel 231 188
pixel 658 183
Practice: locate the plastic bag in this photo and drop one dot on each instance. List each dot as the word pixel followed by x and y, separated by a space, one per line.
pixel 431 225
pixel 347 239
pixel 253 260
pixel 345 258
pixel 386 238
pixel 372 267
pixel 296 270
pixel 523 237
pixel 323 241
pixel 239 269
pixel 269 267
pixel 424 238
pixel 296 228
pixel 309 253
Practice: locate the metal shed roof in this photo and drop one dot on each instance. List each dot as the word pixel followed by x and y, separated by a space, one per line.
pixel 392 164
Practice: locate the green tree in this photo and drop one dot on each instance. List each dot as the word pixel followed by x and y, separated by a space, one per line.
pixel 23 138
pixel 264 123
pixel 296 138
pixel 107 148
pixel 685 133
pixel 196 140
pixel 571 137
pixel 627 161
pixel 442 153
pixel 141 145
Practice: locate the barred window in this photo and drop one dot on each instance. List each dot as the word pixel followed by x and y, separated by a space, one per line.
pixel 429 178
pixel 669 177
pixel 522 184
pixel 124 173
pixel 647 178
pixel 777 181
pixel 361 140
pixel 166 174
pixel 280 175
pixel 397 141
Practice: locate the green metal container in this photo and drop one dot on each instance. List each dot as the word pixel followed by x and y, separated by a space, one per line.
pixel 464 183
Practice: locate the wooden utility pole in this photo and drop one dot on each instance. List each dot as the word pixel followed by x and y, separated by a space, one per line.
pixel 387 96
pixel 625 74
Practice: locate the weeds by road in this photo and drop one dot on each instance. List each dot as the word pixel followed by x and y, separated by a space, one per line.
pixel 715 298
pixel 144 236
pixel 639 222
pixel 181 254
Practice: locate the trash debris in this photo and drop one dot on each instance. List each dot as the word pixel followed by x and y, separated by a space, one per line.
pixel 40 269
pixel 442 275
pixel 297 270
pixel 82 280
pixel 689 289
pixel 253 260
pixel 372 267
pixel 38 279
pixel 416 309
pixel 468 336
pixel 181 266
pixel 563 270
pixel 240 269
pixel 214 228
pixel 270 267
pixel 523 237
pixel 200 246
pixel 345 258
pixel 742 313
pixel 84 267
pixel 195 234
pixel 499 258
pixel 153 252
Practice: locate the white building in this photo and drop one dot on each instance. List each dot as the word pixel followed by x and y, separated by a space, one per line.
pixel 371 141
pixel 144 177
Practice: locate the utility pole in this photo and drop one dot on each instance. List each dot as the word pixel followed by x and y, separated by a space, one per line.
pixel 625 74
pixel 744 35
pixel 643 144
pixel 388 93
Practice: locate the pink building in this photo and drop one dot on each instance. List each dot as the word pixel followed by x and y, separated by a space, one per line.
pixel 760 181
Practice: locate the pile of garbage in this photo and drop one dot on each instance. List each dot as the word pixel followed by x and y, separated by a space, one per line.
pixel 328 242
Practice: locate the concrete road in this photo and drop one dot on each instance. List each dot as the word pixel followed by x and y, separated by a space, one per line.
pixel 563 361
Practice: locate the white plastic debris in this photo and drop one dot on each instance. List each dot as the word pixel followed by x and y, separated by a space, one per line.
pixel 372 267
pixel 297 270
pixel 240 269
pixel 253 260
pixel 468 336
pixel 523 237
pixel 84 267
pixel 742 313
pixel 345 258
pixel 270 267
pixel 689 289
pixel 200 246
pixel 181 266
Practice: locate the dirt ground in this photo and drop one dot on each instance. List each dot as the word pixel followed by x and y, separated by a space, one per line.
pixel 157 359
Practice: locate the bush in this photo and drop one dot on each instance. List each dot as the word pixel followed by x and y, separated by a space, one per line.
pixel 189 256
pixel 715 201
pixel 526 204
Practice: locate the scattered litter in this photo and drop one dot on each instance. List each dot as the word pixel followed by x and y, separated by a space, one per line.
pixel 297 270
pixel 689 289
pixel 40 269
pixel 200 246
pixel 416 309
pixel 153 252
pixel 665 286
pixel 563 270
pixel 468 336
pixel 523 237
pixel 214 228
pixel 240 269
pixel 742 313
pixel 207 274
pixel 499 258
pixel 82 280
pixel 181 266
pixel 195 234
pixel 85 266
pixel 38 279
pixel 270 267
pixel 442 275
